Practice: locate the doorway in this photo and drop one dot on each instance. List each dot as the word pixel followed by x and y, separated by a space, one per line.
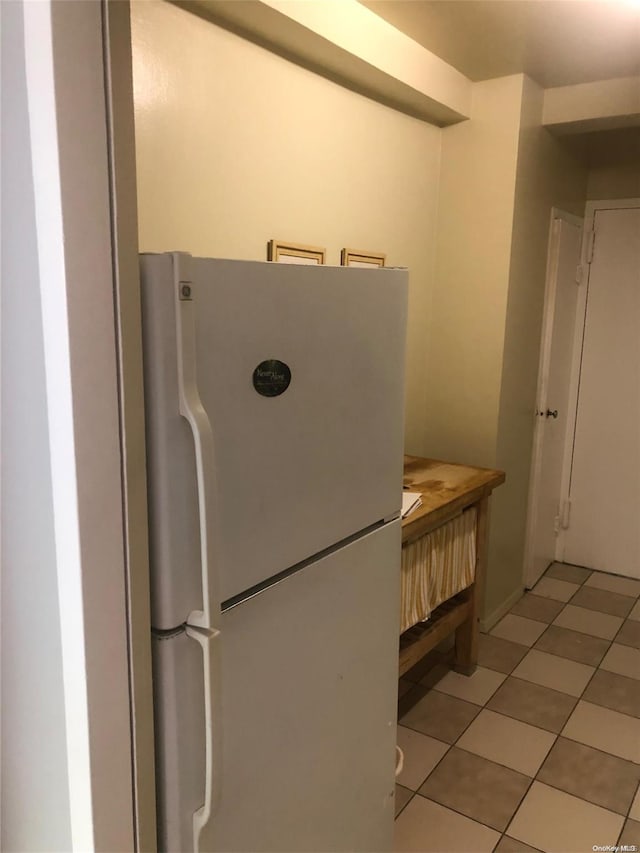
pixel 553 421
pixel 602 530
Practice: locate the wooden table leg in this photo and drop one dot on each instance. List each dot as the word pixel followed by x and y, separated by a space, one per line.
pixel 466 650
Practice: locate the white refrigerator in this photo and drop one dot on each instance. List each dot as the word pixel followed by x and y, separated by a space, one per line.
pixel 274 409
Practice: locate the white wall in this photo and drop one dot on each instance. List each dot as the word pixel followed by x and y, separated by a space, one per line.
pixel 614 164
pixel 549 174
pixel 479 159
pixel 502 172
pixel 236 146
pixel 593 106
pixel 347 42
pixel 35 791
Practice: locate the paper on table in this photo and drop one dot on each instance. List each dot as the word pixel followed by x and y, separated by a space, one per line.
pixel 410 502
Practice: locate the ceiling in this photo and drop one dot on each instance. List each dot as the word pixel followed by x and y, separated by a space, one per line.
pixel 556 42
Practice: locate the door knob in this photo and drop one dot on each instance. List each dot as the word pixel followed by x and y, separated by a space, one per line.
pixel 552 414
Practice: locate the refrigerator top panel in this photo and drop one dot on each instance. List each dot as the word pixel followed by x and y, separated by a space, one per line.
pixel 300 371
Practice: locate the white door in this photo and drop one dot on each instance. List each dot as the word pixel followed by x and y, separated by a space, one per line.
pixel 561 301
pixel 604 530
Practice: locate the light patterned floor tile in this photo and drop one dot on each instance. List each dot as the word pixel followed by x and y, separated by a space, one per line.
pixel 509 742
pixel 623 660
pixel 477 688
pixel 635 613
pixel 591 622
pixel 635 807
pixel 602 728
pixel 552 588
pixel 518 629
pixel 614 583
pixel 421 754
pixel 560 823
pixel 426 827
pixel 567 676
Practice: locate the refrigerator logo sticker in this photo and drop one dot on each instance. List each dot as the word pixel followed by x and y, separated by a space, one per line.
pixel 271 378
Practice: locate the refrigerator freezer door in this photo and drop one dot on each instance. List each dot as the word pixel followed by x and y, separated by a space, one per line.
pixel 308 704
pixel 300 372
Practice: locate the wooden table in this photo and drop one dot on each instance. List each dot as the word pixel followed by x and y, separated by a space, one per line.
pixel 447 489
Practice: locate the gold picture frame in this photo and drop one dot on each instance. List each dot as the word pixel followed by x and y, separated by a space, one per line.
pixel 357 258
pixel 284 252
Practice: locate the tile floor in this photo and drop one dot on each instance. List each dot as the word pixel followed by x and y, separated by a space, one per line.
pixel 540 748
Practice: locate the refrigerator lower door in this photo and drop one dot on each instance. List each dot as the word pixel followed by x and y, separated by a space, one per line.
pixel 308 712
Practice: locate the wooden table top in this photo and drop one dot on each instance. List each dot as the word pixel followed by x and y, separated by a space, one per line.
pixel 446 488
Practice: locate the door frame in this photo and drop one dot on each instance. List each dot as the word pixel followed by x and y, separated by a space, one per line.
pixel 82 152
pixel 72 205
pixel 592 207
pixel 117 51
pixel 553 252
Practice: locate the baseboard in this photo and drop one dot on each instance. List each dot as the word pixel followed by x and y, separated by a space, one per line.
pixel 493 618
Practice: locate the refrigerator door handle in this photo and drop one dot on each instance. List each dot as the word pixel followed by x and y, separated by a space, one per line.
pixel 193 411
pixel 210 644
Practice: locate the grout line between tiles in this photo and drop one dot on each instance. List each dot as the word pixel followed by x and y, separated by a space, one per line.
pixel 536 725
pixel 537 683
pixel 620 628
pixel 504 714
pixel 605 612
pixel 624 646
pixel 615 639
pixel 413 793
pixel 517 808
pixel 628 815
pixel 477 704
pixel 499 713
pixel 499 763
pixel 578 796
pixel 437 764
pixel 532 618
pixel 446 742
pixel 462 814
pixel 607 707
pixel 595 666
pixel 585 633
pixel 596 749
